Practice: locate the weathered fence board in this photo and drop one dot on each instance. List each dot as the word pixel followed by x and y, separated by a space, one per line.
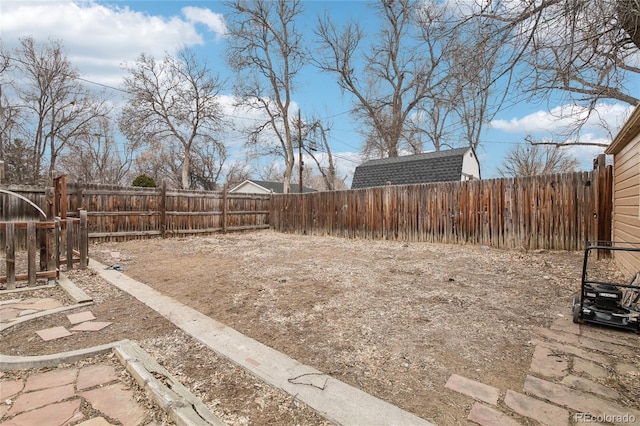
pixel 120 213
pixel 559 212
pixel 552 212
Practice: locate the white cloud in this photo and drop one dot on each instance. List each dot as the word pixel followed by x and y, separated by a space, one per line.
pixel 100 38
pixel 213 21
pixel 560 119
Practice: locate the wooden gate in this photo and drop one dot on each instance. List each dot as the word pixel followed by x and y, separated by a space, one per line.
pixel 35 251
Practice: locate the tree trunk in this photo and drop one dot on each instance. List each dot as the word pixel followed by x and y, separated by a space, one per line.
pixel 185 169
pixel 288 172
pixel 629 17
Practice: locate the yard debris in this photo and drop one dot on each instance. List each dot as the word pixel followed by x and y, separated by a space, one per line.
pixel 115 267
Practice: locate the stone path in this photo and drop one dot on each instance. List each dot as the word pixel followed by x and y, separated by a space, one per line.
pixel 13 309
pixel 55 398
pixel 81 321
pixel 91 393
pixel 569 380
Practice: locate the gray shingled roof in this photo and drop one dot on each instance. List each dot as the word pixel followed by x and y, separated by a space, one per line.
pixel 439 166
pixel 278 187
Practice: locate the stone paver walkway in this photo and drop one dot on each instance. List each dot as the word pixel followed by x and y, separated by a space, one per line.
pixel 87 394
pixel 56 397
pixel 81 321
pixel 16 308
pixel 569 381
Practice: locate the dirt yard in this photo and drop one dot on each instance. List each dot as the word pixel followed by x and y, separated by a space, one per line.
pixel 391 318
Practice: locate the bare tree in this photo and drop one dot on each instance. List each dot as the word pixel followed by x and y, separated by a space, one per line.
pixel 389 80
pixel 534 160
pixel 174 102
pixel 265 48
pixel 237 173
pixel 317 147
pixel 8 112
pixel 57 108
pixel 271 172
pixel 473 67
pixel 586 50
pixel 98 157
pixel 162 162
pixel 457 105
pixel 17 161
pixel 206 168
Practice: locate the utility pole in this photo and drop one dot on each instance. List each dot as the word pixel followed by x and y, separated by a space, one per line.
pixel 300 147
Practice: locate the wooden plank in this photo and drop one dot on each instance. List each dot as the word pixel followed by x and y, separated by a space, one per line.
pixel 163 209
pixel 83 235
pixel 50 275
pixel 224 210
pixel 53 247
pixel 31 254
pixel 69 243
pixel 63 197
pixel 134 234
pixel 10 253
pixel 23 225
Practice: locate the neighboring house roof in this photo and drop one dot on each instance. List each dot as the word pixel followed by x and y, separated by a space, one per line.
pixel 630 130
pixel 263 186
pixel 438 166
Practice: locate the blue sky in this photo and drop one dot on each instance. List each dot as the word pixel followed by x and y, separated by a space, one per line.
pixel 101 36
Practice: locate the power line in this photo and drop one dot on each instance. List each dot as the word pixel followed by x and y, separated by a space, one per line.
pixel 118 89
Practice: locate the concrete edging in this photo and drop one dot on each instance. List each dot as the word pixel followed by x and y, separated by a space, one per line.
pixel 25 318
pixel 333 399
pixel 79 297
pixel 74 292
pixel 11 362
pixel 183 407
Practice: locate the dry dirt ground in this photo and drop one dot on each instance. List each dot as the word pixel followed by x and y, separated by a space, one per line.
pixel 394 319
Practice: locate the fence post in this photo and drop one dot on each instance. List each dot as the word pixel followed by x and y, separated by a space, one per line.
pixel 224 209
pixel 163 209
pixel 49 194
pixel 84 240
pixel 80 194
pixel 57 235
pixel 63 196
pixel 53 248
pixel 10 250
pixel 31 253
pixel 69 239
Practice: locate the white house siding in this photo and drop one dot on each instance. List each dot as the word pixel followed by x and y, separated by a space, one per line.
pixel 249 188
pixel 470 166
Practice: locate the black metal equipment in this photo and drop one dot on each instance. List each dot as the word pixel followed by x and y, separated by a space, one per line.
pixel 604 301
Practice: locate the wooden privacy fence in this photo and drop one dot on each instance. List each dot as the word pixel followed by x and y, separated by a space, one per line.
pixel 117 213
pixel 36 250
pixel 559 212
pixel 120 213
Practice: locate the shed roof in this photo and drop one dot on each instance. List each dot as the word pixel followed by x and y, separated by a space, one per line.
pixel 438 166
